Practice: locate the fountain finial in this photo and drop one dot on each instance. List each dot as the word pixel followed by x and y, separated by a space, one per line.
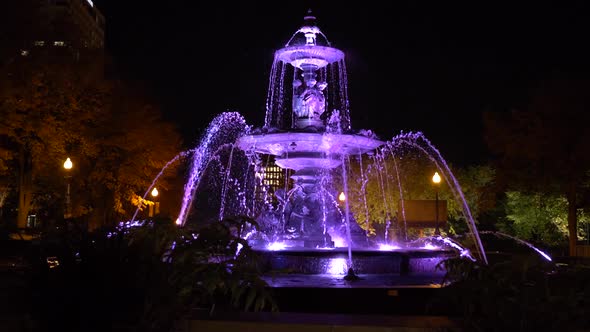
pixel 309 17
pixel 310 29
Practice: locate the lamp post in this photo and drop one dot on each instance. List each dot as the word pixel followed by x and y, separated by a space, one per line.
pixel 155 209
pixel 68 166
pixel 436 181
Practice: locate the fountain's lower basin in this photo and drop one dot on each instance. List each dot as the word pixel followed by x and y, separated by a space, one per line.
pixel 401 262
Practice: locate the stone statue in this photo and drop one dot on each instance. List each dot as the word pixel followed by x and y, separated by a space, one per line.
pixel 309 101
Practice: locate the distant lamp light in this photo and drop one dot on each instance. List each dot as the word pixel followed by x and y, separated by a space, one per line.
pixel 155 192
pixel 178 222
pixel 68 164
pixel 436 181
pixel 436 178
pixel 342 197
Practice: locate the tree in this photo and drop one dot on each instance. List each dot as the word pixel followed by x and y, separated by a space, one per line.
pixel 543 147
pixel 53 107
pixel 536 217
pixel 374 184
pixel 127 150
pixel 478 187
pixel 43 106
pixel 376 189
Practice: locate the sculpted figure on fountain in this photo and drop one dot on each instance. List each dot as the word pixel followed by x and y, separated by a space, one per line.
pixel 309 102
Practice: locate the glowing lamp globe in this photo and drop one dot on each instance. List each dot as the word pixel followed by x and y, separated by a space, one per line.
pixel 436 178
pixel 68 164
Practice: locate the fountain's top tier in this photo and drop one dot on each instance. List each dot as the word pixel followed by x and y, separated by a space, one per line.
pixel 309 48
pixel 309 34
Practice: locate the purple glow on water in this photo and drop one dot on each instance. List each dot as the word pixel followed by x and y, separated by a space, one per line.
pixel 339 242
pixel 337 266
pixel 276 246
pixel 325 248
pixel 430 246
pixel 388 247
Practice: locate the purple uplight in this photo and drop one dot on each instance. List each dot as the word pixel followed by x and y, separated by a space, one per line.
pixel 430 246
pixel 337 266
pixel 275 246
pixel 325 248
pixel 388 247
pixel 339 242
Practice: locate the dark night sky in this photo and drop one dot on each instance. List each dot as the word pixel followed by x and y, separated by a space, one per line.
pixel 428 66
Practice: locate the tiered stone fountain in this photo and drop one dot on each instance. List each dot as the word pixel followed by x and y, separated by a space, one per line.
pixel 304 228
pixel 308 131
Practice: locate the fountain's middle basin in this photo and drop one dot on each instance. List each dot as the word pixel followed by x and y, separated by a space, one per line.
pixel 279 144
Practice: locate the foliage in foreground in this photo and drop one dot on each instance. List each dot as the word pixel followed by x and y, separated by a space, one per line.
pixel 157 285
pixel 518 295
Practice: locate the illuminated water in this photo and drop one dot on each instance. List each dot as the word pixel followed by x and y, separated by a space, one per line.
pixel 307 132
pixel 520 242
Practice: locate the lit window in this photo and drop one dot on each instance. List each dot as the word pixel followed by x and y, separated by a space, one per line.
pixel 59 43
pixel 32 221
pixel 39 43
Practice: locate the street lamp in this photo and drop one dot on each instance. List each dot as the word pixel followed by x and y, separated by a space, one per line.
pixel 68 166
pixel 155 209
pixel 342 197
pixel 436 181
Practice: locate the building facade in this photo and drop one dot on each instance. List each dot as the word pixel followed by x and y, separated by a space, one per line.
pixel 56 27
pixel 273 180
pixel 80 16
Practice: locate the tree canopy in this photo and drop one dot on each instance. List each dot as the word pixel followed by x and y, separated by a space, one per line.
pixel 543 146
pixel 55 106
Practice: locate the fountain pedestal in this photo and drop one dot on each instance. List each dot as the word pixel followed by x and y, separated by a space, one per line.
pixel 311 155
